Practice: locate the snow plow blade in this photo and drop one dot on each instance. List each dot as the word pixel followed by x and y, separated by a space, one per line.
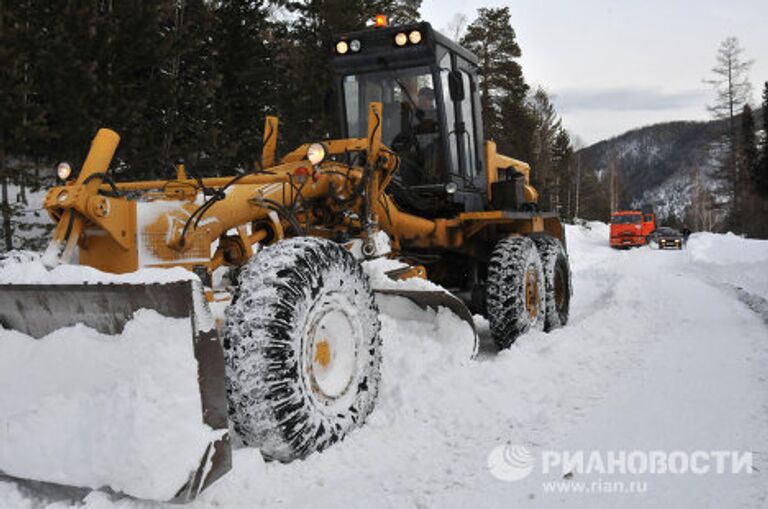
pixel 429 299
pixel 92 377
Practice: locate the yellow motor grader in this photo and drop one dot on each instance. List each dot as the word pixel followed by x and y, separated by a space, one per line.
pixel 295 366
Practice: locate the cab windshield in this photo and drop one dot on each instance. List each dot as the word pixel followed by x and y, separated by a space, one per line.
pixel 627 219
pixel 410 125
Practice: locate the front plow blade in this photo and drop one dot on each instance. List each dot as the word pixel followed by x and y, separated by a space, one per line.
pixel 426 299
pixel 114 386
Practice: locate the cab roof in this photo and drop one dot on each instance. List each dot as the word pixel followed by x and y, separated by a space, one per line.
pixel 379 51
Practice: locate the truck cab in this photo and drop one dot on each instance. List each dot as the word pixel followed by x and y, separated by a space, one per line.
pixel 427 85
pixel 631 228
pixel 649 223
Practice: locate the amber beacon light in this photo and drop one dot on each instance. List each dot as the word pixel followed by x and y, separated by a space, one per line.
pixel 381 21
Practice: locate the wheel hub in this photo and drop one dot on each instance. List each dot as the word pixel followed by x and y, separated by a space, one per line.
pixel 531 294
pixel 323 353
pixel 331 355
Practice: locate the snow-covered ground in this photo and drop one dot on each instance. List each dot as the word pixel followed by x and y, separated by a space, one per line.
pixel 662 353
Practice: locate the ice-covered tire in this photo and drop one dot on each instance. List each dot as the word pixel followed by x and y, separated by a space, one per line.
pixel 557 281
pixel 515 291
pixel 303 348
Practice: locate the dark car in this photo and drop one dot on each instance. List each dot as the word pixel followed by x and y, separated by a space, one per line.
pixel 668 238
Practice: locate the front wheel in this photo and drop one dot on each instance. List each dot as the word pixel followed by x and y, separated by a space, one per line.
pixel 515 292
pixel 303 348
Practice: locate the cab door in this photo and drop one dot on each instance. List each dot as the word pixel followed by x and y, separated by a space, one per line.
pixel 463 129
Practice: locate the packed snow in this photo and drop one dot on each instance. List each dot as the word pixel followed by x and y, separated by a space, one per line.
pixel 660 354
pixel 95 410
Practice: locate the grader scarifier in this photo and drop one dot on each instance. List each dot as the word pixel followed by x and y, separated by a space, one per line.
pixel 295 366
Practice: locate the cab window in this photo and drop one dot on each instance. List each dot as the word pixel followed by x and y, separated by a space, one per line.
pixel 470 157
pixel 410 123
pixel 450 111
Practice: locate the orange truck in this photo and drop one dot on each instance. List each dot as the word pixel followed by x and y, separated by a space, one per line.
pixel 630 228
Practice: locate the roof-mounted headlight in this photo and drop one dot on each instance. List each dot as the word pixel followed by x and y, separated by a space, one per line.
pixel 414 37
pixel 316 153
pixel 342 47
pixel 354 45
pixel 401 39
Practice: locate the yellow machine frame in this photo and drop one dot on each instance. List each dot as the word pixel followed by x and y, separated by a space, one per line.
pixel 105 226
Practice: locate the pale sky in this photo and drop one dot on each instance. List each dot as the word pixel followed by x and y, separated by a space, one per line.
pixel 616 65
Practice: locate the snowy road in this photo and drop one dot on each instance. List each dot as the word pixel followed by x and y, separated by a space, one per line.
pixel 660 355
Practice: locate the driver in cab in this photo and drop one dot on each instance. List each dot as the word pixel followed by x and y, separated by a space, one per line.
pixel 426 114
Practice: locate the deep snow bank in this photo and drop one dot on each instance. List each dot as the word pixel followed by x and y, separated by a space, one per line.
pixel 730 260
pixel 726 249
pixel 86 409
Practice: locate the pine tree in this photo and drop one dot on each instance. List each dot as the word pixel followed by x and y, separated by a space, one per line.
pixel 246 91
pixel 189 80
pixel 748 154
pixel 546 126
pixel 762 179
pixel 503 90
pixel 562 153
pixel 303 58
pixel 595 201
pixel 8 112
pixel 22 115
pixel 303 65
pixel 67 84
pixel 398 12
pixel 131 87
pixel 750 216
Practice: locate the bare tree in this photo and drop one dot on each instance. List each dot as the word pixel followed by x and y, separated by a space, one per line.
pixel 613 181
pixel 732 92
pixel 702 204
pixel 578 144
pixel 457 26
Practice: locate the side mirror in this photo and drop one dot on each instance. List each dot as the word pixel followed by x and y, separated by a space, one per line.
pixel 456 86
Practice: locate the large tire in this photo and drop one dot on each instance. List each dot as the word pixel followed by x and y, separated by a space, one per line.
pixel 303 348
pixel 557 281
pixel 515 293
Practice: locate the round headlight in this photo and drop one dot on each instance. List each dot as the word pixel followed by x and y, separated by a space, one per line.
pixel 354 45
pixel 316 153
pixel 342 47
pixel 414 37
pixel 451 187
pixel 401 39
pixel 64 170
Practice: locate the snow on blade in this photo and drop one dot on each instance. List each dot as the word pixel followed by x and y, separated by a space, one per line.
pixel 87 409
pixel 28 269
pixel 441 328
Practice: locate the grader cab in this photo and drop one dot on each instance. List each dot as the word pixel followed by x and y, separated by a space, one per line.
pixel 431 119
pixel 295 366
